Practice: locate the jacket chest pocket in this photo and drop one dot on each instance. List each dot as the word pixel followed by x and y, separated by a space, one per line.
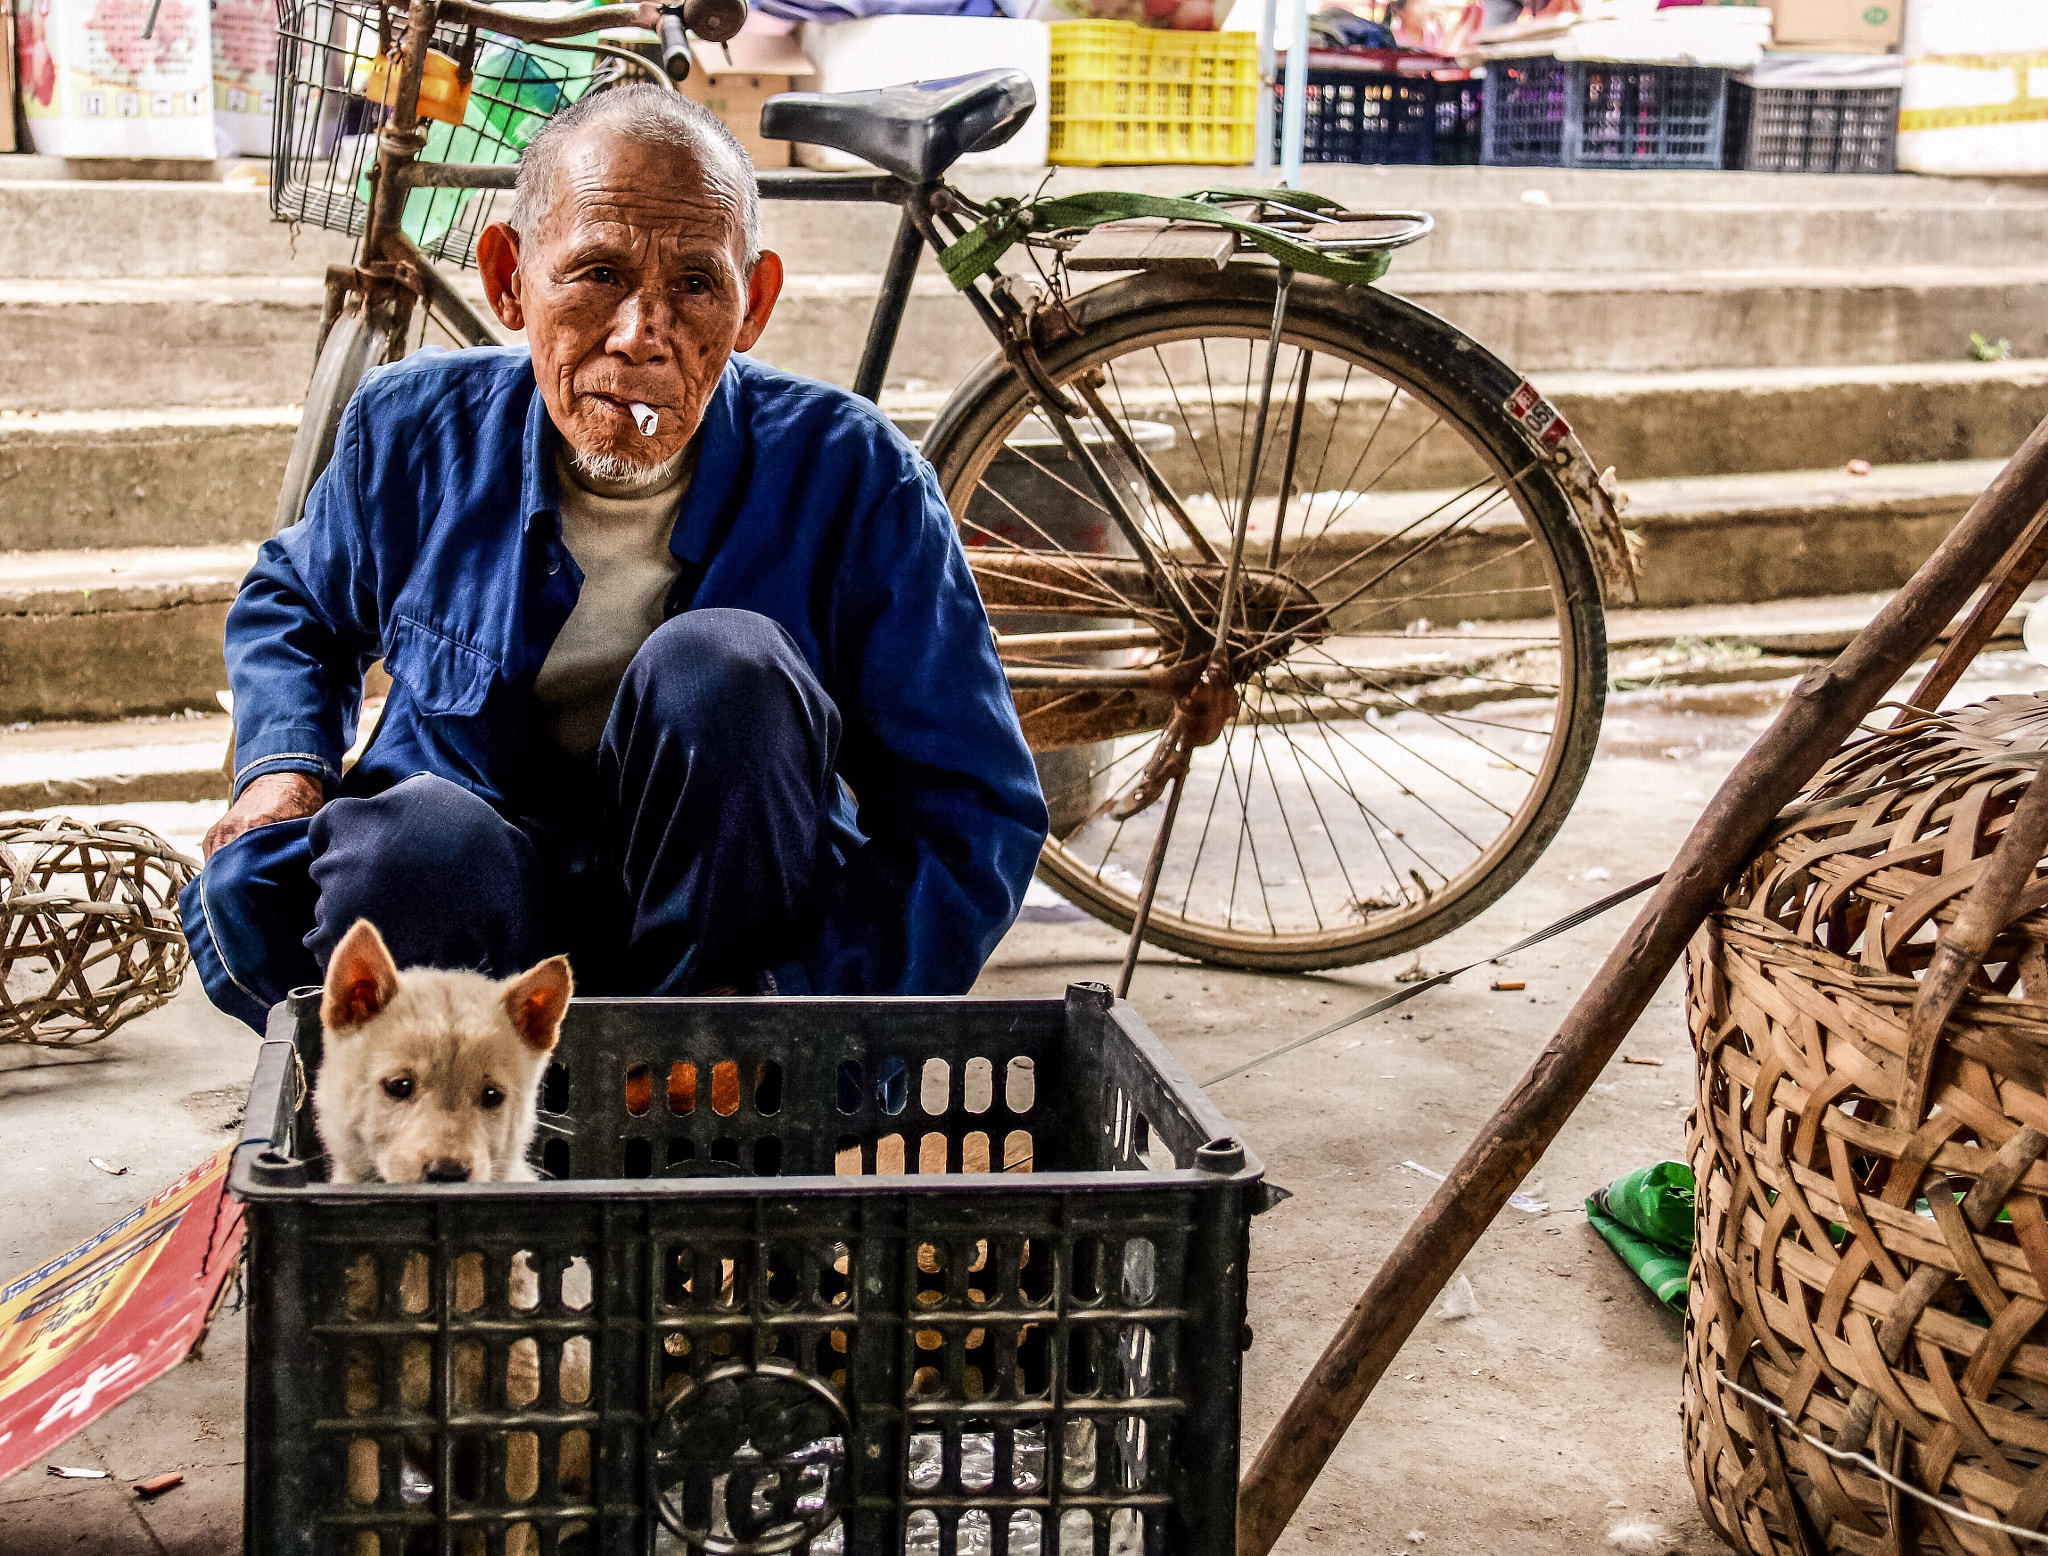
pixel 441 675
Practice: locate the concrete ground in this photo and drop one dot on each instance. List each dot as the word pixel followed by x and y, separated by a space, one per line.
pixel 1533 1426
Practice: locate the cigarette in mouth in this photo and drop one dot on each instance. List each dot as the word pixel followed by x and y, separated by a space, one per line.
pixel 646 417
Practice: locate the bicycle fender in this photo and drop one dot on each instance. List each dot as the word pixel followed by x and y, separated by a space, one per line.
pixel 1592 495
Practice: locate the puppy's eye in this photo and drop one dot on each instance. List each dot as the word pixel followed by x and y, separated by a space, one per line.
pixel 398 1088
pixel 491 1097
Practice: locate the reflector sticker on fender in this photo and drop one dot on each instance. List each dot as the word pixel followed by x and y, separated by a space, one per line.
pixel 1537 415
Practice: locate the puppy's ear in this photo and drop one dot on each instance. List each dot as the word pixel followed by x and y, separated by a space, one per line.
pixel 536 1001
pixel 361 978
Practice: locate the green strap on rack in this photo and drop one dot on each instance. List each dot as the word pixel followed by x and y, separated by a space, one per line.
pixel 1009 221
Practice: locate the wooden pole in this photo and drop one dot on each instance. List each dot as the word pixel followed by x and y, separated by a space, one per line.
pixel 1827 704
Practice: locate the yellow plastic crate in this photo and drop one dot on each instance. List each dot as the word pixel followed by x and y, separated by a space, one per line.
pixel 1123 93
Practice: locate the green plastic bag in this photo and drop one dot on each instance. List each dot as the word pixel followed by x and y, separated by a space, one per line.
pixel 515 90
pixel 1647 1217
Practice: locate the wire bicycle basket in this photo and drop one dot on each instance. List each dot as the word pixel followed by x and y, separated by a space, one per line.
pixel 336 91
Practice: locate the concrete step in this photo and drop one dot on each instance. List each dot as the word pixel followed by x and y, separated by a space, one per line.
pixel 1391 187
pixel 248 340
pixel 1541 321
pixel 179 757
pixel 178 340
pixel 1727 421
pixel 81 230
pixel 1739 539
pixel 1488 219
pixel 101 634
pixel 128 478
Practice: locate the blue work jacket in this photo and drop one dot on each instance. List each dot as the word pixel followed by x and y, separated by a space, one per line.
pixel 434 540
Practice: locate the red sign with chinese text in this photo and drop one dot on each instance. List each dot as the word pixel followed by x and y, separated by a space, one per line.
pixel 82 1332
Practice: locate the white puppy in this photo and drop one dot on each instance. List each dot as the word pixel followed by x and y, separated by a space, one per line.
pixel 429 1076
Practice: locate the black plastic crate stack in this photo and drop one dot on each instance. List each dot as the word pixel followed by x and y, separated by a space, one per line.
pixel 1383 116
pixel 1812 129
pixel 1542 112
pixel 993 1302
pixel 1460 120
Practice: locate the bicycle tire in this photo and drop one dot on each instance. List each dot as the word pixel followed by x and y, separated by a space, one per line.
pixel 1446 374
pixel 353 346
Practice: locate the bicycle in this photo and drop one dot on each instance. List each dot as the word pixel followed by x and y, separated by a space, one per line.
pixel 1252 534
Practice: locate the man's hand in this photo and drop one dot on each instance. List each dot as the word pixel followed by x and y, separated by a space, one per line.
pixel 276 797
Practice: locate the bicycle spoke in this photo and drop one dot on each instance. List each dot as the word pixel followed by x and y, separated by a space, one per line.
pixel 1369 774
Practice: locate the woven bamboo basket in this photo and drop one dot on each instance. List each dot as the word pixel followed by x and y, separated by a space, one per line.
pixel 1866 1284
pixel 89 933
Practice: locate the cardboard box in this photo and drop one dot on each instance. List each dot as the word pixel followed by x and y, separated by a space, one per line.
pixel 1972 105
pixel 736 99
pixel 1838 26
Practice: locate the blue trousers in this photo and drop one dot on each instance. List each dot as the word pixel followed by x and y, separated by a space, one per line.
pixel 684 858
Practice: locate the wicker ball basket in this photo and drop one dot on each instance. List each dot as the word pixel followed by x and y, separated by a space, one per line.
pixel 1864 1283
pixel 89 934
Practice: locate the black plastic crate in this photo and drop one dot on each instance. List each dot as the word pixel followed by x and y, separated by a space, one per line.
pixel 1812 129
pixel 1382 116
pixel 879 1350
pixel 1543 112
pixel 1460 120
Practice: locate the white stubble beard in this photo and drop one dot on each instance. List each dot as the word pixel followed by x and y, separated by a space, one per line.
pixel 621 469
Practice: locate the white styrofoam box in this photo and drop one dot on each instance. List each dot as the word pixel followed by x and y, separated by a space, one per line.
pixel 1718 36
pixel 93 86
pixel 245 72
pixel 881 51
pixel 1975 97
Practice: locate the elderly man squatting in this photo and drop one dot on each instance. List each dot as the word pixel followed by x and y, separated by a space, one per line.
pixel 712 708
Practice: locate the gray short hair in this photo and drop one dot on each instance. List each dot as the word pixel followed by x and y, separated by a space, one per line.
pixel 644 112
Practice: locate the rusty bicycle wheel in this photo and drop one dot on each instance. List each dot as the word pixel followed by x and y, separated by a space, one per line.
pixel 1420 664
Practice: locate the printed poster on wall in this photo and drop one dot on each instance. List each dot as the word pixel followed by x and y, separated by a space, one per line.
pixel 93 86
pixel 244 74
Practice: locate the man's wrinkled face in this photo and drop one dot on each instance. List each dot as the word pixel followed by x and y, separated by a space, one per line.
pixel 632 286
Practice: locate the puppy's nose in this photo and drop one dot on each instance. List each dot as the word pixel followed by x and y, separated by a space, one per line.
pixel 445 1169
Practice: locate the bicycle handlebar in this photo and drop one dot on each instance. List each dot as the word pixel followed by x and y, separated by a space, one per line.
pixel 675 45
pixel 712 20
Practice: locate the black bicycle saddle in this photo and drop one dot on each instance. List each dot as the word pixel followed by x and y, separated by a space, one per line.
pixel 915 131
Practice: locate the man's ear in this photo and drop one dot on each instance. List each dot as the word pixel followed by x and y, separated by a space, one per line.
pixel 361 979
pixel 537 999
pixel 763 287
pixel 497 261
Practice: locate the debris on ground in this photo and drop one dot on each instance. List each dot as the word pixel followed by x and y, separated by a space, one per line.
pixel 1509 985
pixel 1632 1059
pixel 1416 974
pixel 106 1166
pixel 157 1485
pixel 1522 1202
pixel 1640 1537
pixel 1858 467
pixel 69 1472
pixel 1459 1302
pixel 1646 1216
